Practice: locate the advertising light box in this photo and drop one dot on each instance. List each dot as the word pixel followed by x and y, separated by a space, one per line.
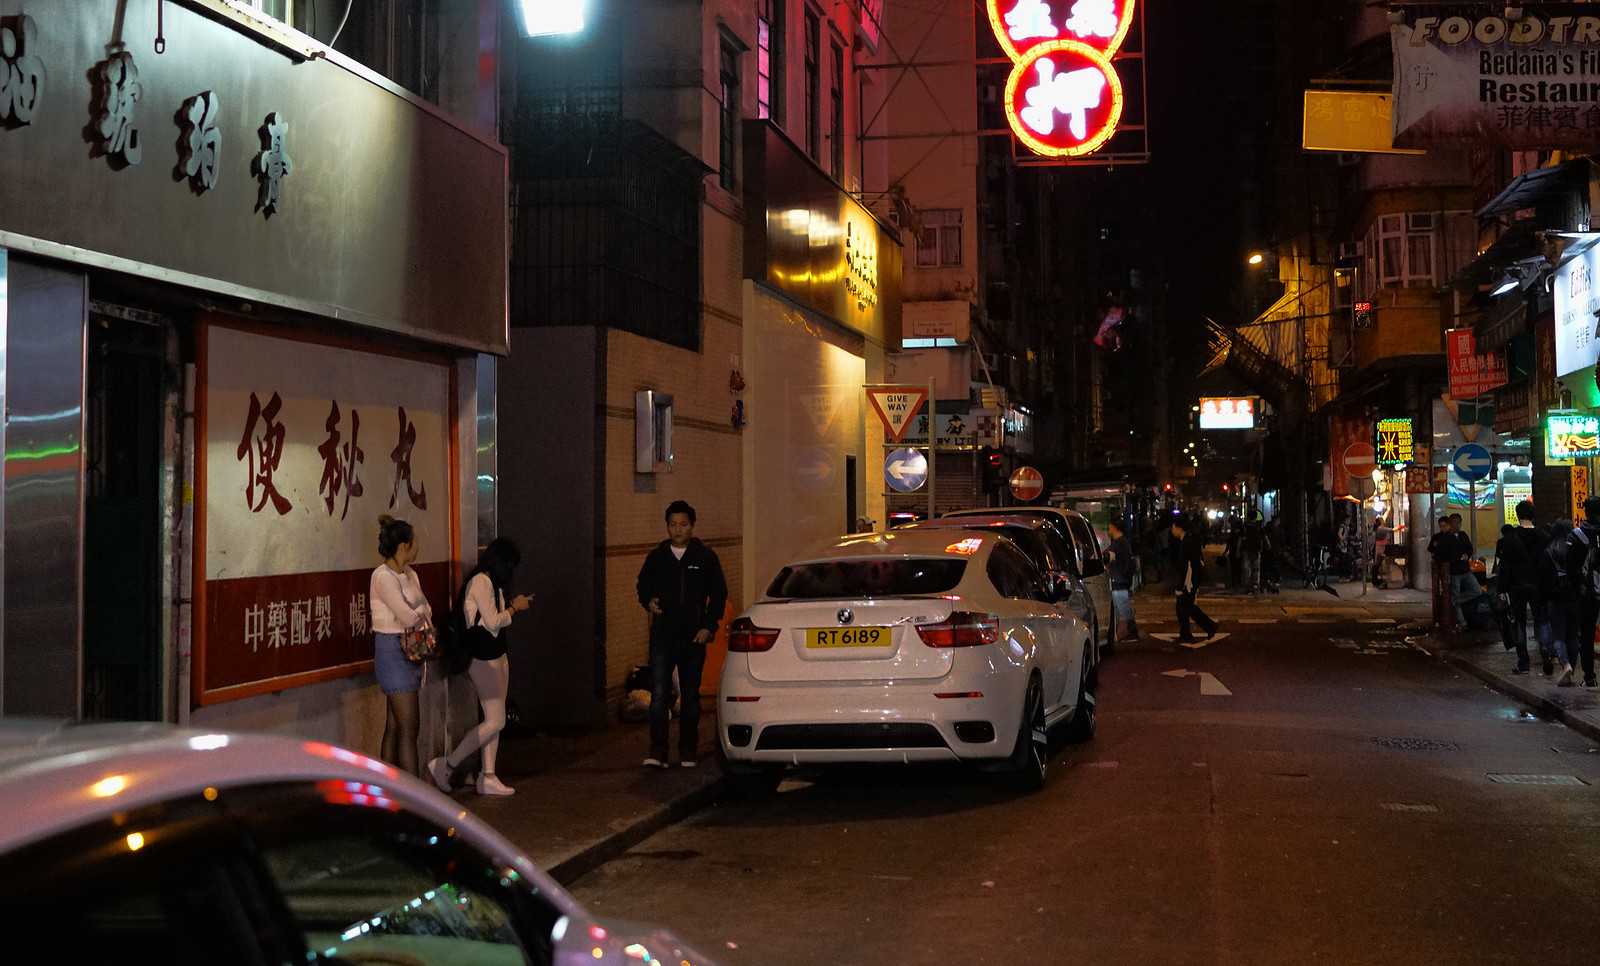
pixel 1572 436
pixel 1227 412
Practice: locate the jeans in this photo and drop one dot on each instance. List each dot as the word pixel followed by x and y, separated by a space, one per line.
pixel 1122 606
pixel 689 659
pixel 1252 570
pixel 1514 626
pixel 1564 627
pixel 1542 631
pixel 1589 612
pixel 1463 588
pixel 1187 609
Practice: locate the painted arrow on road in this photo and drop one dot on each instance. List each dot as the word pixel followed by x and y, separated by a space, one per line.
pixel 1209 685
pixel 1191 645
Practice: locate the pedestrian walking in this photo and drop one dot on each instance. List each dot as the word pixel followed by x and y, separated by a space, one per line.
pixel 1440 547
pixel 1515 584
pixel 682 586
pixel 1191 569
pixel 1586 539
pixel 1123 568
pixel 1559 593
pixel 398 606
pixel 1534 539
pixel 486 611
pixel 1464 587
pixel 1251 544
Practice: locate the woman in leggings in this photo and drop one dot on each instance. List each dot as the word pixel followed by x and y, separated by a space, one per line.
pixel 484 606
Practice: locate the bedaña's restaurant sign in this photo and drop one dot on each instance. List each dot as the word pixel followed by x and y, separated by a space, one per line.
pixel 304 445
pixel 1464 73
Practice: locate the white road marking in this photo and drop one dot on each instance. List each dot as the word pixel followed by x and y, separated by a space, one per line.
pixel 1258 620
pixel 1378 620
pixel 1194 646
pixel 1209 685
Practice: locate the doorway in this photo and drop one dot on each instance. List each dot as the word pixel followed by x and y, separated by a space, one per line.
pixel 851 513
pixel 124 397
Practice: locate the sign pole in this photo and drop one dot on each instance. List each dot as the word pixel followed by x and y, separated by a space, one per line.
pixel 933 444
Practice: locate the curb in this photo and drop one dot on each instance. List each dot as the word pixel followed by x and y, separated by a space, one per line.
pixel 1536 702
pixel 592 857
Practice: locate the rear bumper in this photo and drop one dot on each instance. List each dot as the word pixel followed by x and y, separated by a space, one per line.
pixel 796 724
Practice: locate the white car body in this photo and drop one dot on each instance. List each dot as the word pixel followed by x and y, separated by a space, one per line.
pixel 901 702
pixel 59 782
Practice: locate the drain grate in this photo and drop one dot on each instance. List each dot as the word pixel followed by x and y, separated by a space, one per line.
pixel 1536 779
pixel 1415 744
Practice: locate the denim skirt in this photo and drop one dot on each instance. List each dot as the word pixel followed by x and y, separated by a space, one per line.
pixel 396 674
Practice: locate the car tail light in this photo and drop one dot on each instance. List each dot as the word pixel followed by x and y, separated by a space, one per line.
pixel 961 629
pixel 745 636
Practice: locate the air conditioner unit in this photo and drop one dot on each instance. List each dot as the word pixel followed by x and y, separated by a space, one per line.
pixel 1350 251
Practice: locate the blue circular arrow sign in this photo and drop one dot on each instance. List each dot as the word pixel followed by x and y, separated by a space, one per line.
pixel 906 470
pixel 1472 462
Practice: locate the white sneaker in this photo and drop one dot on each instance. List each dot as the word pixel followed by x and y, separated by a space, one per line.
pixel 439 771
pixel 493 786
pixel 654 762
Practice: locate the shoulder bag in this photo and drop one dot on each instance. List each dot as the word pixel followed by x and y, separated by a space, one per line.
pixel 420 643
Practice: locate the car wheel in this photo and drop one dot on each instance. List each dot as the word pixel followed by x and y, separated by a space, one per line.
pixel 1029 765
pixel 1081 727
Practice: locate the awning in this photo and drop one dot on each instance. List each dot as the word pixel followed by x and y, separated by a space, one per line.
pixel 1535 188
pixel 1518 243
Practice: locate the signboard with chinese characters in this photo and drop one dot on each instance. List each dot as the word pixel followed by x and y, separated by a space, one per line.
pixel 1064 97
pixel 1463 73
pixel 1577 300
pixel 1227 413
pixel 304 446
pixel 959 431
pixel 1419 479
pixel 1472 373
pixel 1349 121
pixel 1569 436
pixel 1395 442
pixel 1580 492
pixel 1512 494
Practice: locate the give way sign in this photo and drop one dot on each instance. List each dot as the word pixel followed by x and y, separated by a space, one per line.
pixel 896 406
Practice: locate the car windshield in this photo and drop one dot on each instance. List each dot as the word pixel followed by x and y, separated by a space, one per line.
pixel 867 577
pixel 1029 541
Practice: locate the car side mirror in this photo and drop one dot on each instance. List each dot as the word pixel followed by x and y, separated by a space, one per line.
pixel 1093 567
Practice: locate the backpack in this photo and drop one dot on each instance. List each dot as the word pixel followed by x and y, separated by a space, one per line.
pixel 454 654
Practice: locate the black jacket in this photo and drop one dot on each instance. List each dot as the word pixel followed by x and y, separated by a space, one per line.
pixel 1550 564
pixel 1121 554
pixel 1191 562
pixel 1514 564
pixel 692 591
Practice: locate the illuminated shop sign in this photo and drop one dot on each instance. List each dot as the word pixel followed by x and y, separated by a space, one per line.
pixel 1227 413
pixel 1395 444
pixel 1064 98
pixel 1572 436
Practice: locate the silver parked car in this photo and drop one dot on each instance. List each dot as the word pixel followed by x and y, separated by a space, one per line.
pixel 144 843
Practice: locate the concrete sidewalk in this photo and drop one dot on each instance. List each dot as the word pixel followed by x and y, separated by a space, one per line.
pixel 1481 654
pixel 583 799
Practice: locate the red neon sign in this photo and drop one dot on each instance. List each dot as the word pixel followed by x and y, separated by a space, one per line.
pixel 1064 97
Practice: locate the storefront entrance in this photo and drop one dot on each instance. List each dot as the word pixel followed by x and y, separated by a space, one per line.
pixel 126 385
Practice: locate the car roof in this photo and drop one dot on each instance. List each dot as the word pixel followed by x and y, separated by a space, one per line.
pixel 1012 511
pixel 984 520
pixel 57 776
pixel 905 542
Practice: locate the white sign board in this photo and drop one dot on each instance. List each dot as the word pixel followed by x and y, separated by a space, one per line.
pixel 1576 302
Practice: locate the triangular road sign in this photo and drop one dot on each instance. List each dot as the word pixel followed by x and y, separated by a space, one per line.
pixel 896 406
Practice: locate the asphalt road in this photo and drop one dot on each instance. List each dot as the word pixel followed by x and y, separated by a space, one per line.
pixel 1336 806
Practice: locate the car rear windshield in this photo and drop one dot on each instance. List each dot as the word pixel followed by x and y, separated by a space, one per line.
pixel 868 578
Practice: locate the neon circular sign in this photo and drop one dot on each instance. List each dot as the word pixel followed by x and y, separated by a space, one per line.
pixel 1064 98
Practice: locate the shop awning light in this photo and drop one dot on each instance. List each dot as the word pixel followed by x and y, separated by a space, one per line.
pixel 545 18
pixel 1507 284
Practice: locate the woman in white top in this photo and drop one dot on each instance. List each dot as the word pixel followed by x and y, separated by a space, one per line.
pixel 486 613
pixel 398 605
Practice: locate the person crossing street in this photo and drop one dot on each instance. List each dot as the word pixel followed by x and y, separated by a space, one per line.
pixel 1191 568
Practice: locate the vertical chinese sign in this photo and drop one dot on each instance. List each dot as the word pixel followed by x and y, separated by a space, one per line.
pixel 304 446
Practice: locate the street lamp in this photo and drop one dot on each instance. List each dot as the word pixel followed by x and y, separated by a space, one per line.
pixel 1256 258
pixel 544 18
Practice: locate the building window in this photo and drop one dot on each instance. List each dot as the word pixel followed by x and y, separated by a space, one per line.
pixel 939 244
pixel 1402 251
pixel 728 155
pixel 813 82
pixel 836 104
pixel 769 59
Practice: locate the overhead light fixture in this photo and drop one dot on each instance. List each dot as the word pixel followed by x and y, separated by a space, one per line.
pixel 1508 283
pixel 1256 258
pixel 547 18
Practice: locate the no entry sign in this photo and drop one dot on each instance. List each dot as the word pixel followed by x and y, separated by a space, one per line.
pixel 1359 461
pixel 1027 483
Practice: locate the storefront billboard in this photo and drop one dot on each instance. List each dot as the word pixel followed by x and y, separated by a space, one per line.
pixel 1395 442
pixel 304 446
pixel 1571 436
pixel 1227 412
pixel 1462 73
pixel 1576 303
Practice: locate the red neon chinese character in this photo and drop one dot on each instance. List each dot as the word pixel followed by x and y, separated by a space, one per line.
pixel 264 453
pixel 339 463
pixel 402 465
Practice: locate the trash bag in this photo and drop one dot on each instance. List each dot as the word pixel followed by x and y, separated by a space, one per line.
pixel 635 705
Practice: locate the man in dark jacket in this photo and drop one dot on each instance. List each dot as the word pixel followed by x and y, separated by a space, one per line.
pixel 682 586
pixel 1585 538
pixel 1191 567
pixel 1123 569
pixel 1559 595
pixel 1514 577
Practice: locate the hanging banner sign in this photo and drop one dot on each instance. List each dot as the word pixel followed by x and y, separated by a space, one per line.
pixel 1461 74
pixel 1064 98
pixel 1569 436
pixel 1472 373
pixel 304 446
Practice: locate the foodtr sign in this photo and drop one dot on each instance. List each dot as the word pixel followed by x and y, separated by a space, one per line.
pixel 1064 98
